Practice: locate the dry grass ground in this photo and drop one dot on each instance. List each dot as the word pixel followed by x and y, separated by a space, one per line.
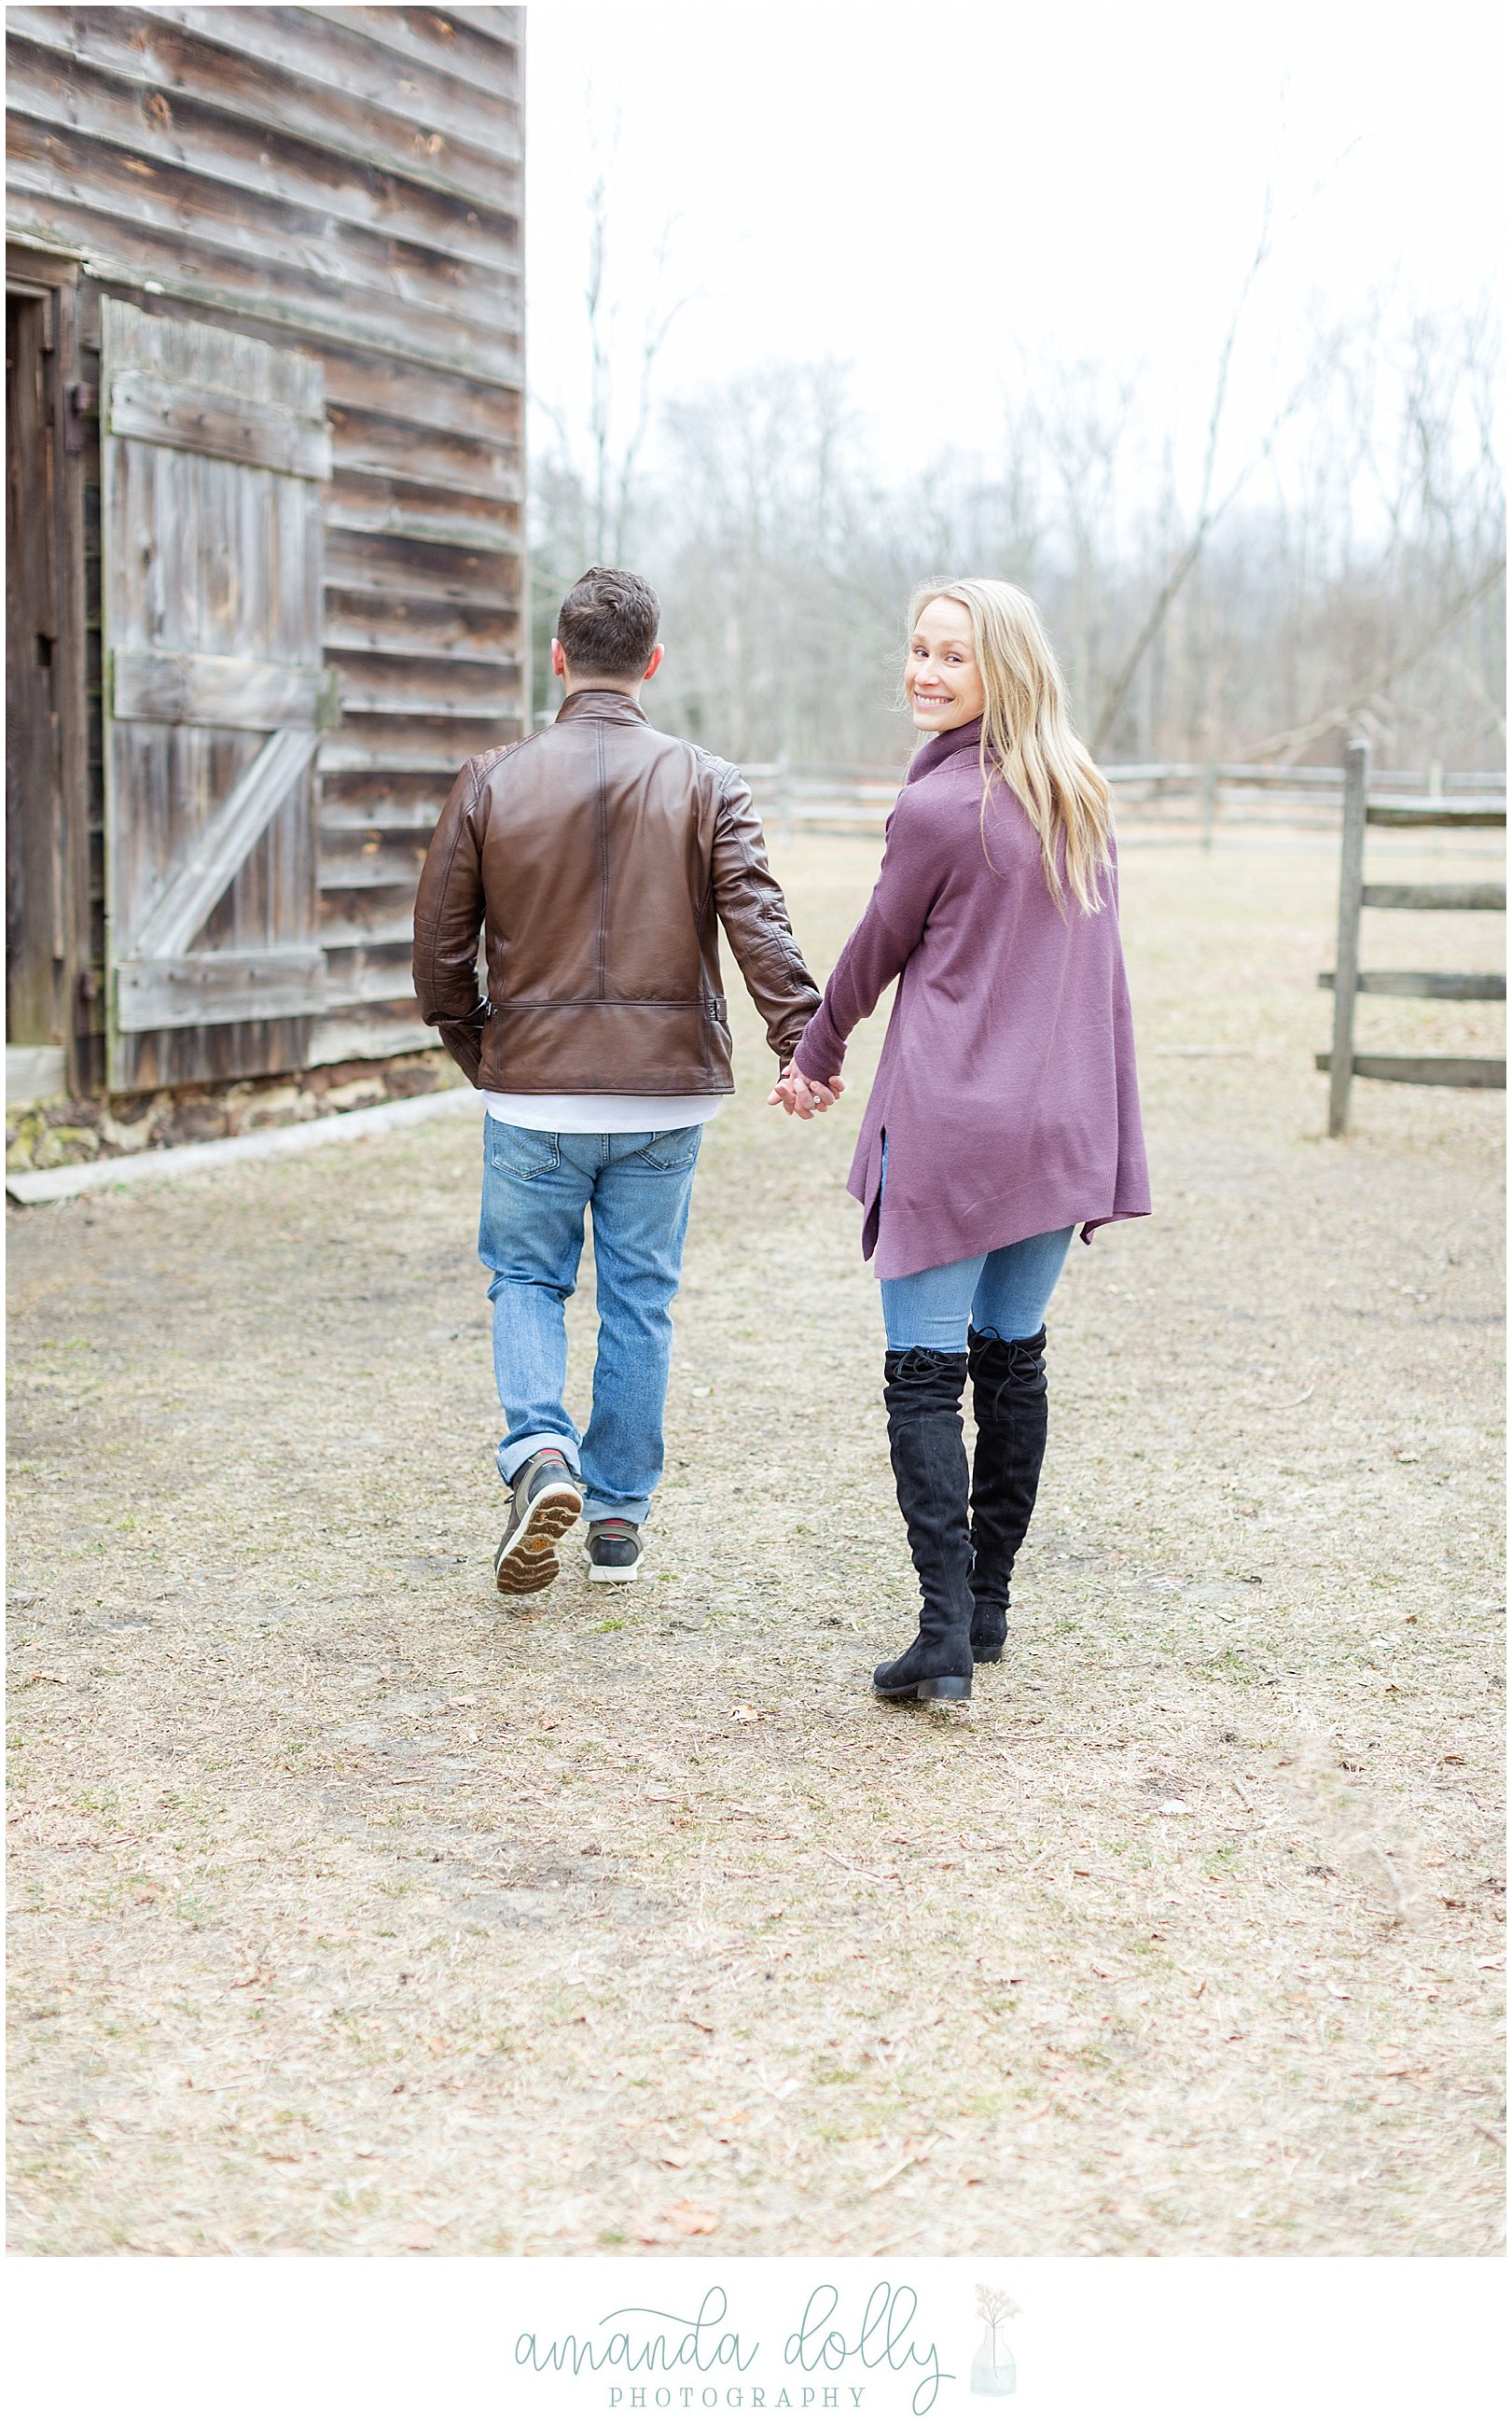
pixel 355 1911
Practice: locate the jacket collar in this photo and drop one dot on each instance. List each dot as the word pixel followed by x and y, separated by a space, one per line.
pixel 606 706
pixel 941 745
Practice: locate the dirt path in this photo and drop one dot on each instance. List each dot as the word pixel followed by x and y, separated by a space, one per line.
pixel 356 1915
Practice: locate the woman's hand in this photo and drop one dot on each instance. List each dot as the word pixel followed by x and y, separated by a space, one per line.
pixel 805 1096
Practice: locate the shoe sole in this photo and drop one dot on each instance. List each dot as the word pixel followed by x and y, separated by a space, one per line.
pixel 930 1688
pixel 526 1561
pixel 985 1658
pixel 613 1574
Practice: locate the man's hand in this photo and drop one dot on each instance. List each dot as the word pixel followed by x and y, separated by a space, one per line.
pixel 805 1096
pixel 463 1039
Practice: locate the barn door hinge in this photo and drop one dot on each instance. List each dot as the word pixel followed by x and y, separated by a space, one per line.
pixel 79 400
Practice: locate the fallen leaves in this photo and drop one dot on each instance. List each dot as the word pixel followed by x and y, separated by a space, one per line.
pixel 689 2221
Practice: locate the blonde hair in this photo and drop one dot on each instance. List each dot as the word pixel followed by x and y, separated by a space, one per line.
pixel 1028 738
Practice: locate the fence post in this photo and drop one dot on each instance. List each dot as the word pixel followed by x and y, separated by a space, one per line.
pixel 1347 956
pixel 781 801
pixel 1210 796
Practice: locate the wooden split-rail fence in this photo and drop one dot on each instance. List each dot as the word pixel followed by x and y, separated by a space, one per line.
pixel 857 798
pixel 1364 804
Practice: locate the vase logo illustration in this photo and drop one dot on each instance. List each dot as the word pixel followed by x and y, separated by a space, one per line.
pixel 994 2374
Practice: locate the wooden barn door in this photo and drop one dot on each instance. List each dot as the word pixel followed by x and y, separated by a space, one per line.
pixel 214 448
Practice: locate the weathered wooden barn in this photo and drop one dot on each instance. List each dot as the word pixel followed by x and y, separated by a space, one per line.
pixel 263 365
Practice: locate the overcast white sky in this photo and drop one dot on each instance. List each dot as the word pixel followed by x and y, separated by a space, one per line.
pixel 920 189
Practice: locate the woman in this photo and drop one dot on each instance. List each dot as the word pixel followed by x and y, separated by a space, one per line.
pixel 1005 1110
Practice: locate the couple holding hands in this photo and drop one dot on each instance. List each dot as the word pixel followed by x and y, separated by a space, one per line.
pixel 599 858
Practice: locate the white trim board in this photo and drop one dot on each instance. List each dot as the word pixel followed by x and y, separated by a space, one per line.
pixel 35 1073
pixel 182 1161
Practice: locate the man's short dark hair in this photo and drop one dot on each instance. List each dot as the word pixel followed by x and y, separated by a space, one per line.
pixel 608 623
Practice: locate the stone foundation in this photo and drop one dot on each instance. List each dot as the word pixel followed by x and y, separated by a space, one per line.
pixel 47 1136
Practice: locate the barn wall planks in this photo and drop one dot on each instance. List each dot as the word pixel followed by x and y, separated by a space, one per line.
pixel 345 183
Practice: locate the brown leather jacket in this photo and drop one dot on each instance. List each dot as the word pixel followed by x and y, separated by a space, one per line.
pixel 597 856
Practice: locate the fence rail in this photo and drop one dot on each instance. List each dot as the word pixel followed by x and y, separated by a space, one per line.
pixel 857 798
pixel 1364 807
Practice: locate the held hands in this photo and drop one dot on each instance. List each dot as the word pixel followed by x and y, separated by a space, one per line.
pixel 805 1096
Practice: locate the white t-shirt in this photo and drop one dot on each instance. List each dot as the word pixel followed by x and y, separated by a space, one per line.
pixel 603 1114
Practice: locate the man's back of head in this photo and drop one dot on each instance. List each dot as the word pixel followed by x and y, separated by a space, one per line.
pixel 606 633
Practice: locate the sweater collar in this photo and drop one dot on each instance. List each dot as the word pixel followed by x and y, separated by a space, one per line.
pixel 605 706
pixel 941 745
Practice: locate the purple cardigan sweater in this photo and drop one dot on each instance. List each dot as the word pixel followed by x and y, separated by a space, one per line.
pixel 1006 1092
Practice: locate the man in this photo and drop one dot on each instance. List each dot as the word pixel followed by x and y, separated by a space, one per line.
pixel 597 857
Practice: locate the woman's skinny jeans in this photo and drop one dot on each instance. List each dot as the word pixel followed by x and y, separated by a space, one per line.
pixel 1003 1295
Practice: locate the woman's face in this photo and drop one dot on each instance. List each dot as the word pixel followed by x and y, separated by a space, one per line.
pixel 942 683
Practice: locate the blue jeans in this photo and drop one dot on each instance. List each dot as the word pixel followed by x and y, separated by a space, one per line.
pixel 1003 1295
pixel 537 1186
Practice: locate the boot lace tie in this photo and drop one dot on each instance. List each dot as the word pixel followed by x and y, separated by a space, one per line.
pixel 1026 1363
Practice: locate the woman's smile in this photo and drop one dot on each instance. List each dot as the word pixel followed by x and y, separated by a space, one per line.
pixel 941 681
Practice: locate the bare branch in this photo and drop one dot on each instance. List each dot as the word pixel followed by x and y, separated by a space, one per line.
pixel 1206 514
pixel 1280 745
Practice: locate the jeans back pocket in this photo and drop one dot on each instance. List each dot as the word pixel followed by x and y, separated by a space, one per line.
pixel 525 1153
pixel 672 1149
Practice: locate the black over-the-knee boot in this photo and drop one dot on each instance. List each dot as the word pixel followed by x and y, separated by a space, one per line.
pixel 1011 1404
pixel 923 1390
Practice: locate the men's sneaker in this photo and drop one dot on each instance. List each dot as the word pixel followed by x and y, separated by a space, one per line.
pixel 614 1550
pixel 545 1502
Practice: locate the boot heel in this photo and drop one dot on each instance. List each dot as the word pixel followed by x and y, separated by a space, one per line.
pixel 945 1688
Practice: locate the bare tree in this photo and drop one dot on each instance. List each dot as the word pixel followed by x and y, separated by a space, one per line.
pixel 1353 564
pixel 614 469
pixel 586 486
pixel 1210 507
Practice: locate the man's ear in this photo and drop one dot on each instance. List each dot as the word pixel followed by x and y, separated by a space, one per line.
pixel 559 663
pixel 657 655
